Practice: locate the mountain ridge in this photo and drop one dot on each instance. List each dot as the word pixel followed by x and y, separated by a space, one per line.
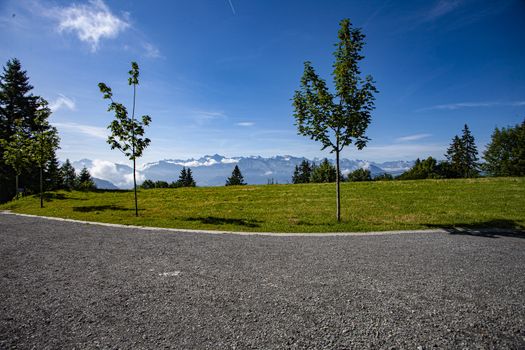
pixel 212 170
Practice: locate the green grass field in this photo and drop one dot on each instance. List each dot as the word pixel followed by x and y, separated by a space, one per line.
pixel 366 206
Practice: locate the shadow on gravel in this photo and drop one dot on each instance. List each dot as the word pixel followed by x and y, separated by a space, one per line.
pixel 91 208
pixel 487 229
pixel 212 220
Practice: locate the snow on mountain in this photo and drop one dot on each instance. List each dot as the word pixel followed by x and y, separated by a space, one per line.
pixel 213 170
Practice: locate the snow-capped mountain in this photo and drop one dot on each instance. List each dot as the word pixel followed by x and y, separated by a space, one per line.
pixel 212 170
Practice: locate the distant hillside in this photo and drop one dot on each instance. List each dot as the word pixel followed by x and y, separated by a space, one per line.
pixel 213 170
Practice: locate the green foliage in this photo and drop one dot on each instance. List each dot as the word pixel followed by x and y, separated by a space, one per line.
pixel 147 185
pixel 84 181
pixel 505 154
pixel 17 154
pixel 339 119
pixel 325 172
pixel 426 169
pixel 17 115
pixel 384 177
pixel 462 156
pixel 53 175
pixel 360 175
pixel 302 173
pixel 384 205
pixel 236 178
pixel 127 134
pixel 68 175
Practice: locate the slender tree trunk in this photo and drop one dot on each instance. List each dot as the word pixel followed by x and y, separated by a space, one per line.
pixel 41 189
pixel 135 189
pixel 133 151
pixel 16 184
pixel 337 180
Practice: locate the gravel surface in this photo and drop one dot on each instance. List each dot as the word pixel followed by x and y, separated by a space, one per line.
pixel 72 285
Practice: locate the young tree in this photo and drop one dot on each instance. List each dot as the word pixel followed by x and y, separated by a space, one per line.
pixel 127 134
pixel 17 154
pixel 236 178
pixel 340 119
pixel 85 181
pixel 68 175
pixel 505 154
pixel 45 142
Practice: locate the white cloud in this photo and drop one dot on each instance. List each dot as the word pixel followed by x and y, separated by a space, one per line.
pixel 151 50
pixel 61 102
pixel 94 131
pixel 91 22
pixel 121 177
pixel 414 137
pixel 455 106
pixel 245 124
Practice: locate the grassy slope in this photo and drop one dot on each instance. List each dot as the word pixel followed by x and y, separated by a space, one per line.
pixel 386 205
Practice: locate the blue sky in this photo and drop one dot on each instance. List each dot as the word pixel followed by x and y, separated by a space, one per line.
pixel 217 76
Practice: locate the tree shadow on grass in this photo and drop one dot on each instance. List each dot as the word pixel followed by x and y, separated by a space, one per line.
pixel 92 208
pixel 51 196
pixel 212 220
pixel 488 229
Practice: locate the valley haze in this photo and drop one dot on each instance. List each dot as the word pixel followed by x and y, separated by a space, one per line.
pixel 213 170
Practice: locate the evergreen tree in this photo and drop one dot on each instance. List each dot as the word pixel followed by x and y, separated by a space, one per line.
pixel 455 157
pixel 236 178
pixel 384 177
pixel 182 177
pixel 302 173
pixel 462 155
pixel 53 175
pixel 85 181
pixel 68 175
pixel 505 154
pixel 471 166
pixel 426 169
pixel 325 172
pixel 337 119
pixel 189 181
pixel 17 111
pixel 360 175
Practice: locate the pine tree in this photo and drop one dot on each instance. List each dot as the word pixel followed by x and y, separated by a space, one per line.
pixel 17 111
pixel 68 175
pixel 182 177
pixel 85 181
pixel 236 178
pixel 455 157
pixel 53 175
pixel 325 172
pixel 471 165
pixel 189 181
pixel 302 173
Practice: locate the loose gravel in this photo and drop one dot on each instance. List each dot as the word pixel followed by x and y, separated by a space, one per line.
pixel 73 285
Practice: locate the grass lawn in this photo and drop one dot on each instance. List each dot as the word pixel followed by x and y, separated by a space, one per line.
pixel 366 206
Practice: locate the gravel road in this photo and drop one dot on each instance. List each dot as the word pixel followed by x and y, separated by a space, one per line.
pixel 73 285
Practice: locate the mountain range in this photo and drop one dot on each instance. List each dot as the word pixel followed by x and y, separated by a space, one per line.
pixel 213 170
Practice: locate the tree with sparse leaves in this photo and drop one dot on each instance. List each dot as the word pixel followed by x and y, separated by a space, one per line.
pixel 339 119
pixel 45 142
pixel 127 133
pixel 236 178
